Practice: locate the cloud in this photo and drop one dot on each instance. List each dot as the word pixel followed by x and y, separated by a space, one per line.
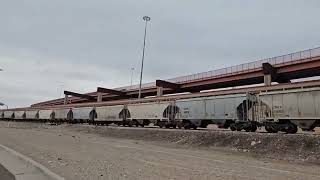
pixel 31 80
pixel 47 46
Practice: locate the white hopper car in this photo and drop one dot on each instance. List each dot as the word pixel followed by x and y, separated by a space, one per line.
pixel 19 115
pixel 60 115
pixel 45 115
pixel 79 115
pixel 158 113
pixel 32 115
pixel 110 114
pixel 7 114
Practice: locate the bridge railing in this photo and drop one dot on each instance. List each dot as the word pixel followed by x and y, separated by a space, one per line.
pixel 292 58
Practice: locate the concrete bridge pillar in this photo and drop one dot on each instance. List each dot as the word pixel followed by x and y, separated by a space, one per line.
pixel 270 73
pixel 99 99
pixel 267 79
pixel 159 91
pixel 65 99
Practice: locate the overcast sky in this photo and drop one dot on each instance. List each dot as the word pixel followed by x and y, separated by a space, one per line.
pixel 47 46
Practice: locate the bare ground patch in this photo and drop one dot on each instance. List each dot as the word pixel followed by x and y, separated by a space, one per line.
pixel 297 147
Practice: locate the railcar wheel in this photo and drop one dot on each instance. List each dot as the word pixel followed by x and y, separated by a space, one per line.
pixel 204 124
pixel 187 125
pixel 161 124
pixel 238 127
pixel 254 128
pixel 233 127
pixel 292 128
pixel 270 128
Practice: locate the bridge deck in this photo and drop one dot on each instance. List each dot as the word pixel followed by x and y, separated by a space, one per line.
pixel 297 65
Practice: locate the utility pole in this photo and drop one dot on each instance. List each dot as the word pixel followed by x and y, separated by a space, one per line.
pixel 146 19
pixel 131 81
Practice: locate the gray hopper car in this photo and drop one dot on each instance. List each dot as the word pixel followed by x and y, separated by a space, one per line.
pixel 284 110
pixel 225 111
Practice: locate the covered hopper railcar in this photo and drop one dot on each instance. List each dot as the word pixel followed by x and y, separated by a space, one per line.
pixel 8 115
pixel 117 114
pixel 32 115
pixel 161 113
pixel 79 115
pixel 61 115
pixel 278 110
pixel 225 111
pixel 45 115
pixel 19 115
pixel 285 110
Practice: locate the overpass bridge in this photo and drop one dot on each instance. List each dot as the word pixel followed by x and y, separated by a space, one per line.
pixel 280 69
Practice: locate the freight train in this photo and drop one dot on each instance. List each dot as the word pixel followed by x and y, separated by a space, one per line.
pixel 276 109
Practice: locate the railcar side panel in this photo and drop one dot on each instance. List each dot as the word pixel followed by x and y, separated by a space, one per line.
pixel 82 113
pixel 307 104
pixel 213 108
pixel 317 104
pixel 268 101
pixel 291 105
pixel 8 114
pixel 32 115
pixel 61 114
pixel 219 108
pixel 150 111
pixel 191 109
pixel 19 115
pixel 45 114
pixel 109 113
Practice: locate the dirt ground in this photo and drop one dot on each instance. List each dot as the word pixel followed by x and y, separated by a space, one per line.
pixel 301 147
pixel 88 152
pixel 5 174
